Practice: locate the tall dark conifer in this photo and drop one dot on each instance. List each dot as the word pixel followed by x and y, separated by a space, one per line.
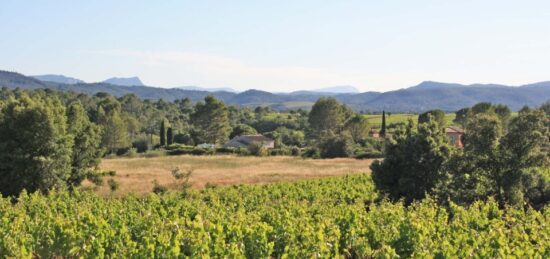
pixel 162 134
pixel 383 129
pixel 169 136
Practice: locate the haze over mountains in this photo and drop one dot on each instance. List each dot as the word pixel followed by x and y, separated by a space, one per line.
pixel 425 96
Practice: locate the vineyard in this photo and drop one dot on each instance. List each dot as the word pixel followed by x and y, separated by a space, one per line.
pixel 331 217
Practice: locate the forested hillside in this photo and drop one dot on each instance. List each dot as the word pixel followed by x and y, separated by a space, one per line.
pixel 425 96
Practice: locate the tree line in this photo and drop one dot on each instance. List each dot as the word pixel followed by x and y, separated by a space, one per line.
pixel 505 158
pixel 52 139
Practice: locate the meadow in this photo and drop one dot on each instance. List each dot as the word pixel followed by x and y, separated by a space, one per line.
pixel 136 175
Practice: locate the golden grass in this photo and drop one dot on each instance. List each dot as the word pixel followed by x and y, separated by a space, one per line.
pixel 135 175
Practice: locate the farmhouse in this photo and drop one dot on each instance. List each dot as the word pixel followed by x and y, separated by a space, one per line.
pixel 455 135
pixel 247 140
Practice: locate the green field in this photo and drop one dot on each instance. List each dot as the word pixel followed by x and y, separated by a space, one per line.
pixel 375 120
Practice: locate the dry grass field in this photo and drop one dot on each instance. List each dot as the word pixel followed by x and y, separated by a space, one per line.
pixel 136 175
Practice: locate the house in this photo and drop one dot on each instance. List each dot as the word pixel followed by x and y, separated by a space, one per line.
pixel 455 135
pixel 247 140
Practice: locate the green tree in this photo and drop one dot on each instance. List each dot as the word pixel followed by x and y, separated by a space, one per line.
pixel 437 115
pixel 242 129
pixel 162 133
pixel 383 127
pixel 169 136
pixel 521 151
pixel 546 108
pixel 211 120
pixel 327 116
pixel 503 112
pixel 483 107
pixel 413 162
pixel 115 134
pixel 35 149
pixel 497 165
pixel 474 173
pixel 358 128
pixel 86 151
pixel 335 146
pixel 461 116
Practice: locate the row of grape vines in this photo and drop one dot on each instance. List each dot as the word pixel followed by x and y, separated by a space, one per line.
pixel 327 218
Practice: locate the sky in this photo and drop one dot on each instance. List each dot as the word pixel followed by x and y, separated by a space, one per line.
pixel 280 46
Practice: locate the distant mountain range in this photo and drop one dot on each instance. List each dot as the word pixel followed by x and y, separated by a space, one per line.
pixel 208 89
pixel 343 89
pixel 425 96
pixel 124 81
pixel 59 79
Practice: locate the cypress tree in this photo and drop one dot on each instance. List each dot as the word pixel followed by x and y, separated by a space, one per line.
pixel 383 129
pixel 162 134
pixel 169 136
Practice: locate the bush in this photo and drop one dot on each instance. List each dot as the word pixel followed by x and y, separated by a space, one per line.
pixel 122 151
pixel 312 153
pixel 113 185
pixel 177 149
pixel 141 145
pixel 226 150
pixel 295 151
pixel 371 154
pixel 95 178
pixel 335 147
pixel 159 189
pixel 154 153
pixel 203 151
pixel 132 152
pixel 183 139
pixel 257 149
pixel 284 151
pixel 210 185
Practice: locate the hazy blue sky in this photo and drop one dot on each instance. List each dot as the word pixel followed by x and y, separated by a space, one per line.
pixel 280 45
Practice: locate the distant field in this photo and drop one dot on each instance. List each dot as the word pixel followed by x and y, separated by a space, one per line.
pixel 135 175
pixel 375 120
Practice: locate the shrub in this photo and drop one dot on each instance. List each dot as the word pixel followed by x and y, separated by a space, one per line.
pixel 113 185
pixel 295 151
pixel 95 178
pixel 159 189
pixel 210 185
pixel 257 149
pixel 202 151
pixel 122 151
pixel 369 154
pixel 141 145
pixel 335 147
pixel 183 139
pixel 284 151
pixel 312 153
pixel 155 153
pixel 132 152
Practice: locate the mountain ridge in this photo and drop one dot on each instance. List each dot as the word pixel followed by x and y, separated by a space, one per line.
pixel 58 79
pixel 124 81
pixel 445 96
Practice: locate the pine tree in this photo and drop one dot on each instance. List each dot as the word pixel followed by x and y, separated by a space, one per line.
pixel 86 151
pixel 169 136
pixel 211 119
pixel 383 129
pixel 162 134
